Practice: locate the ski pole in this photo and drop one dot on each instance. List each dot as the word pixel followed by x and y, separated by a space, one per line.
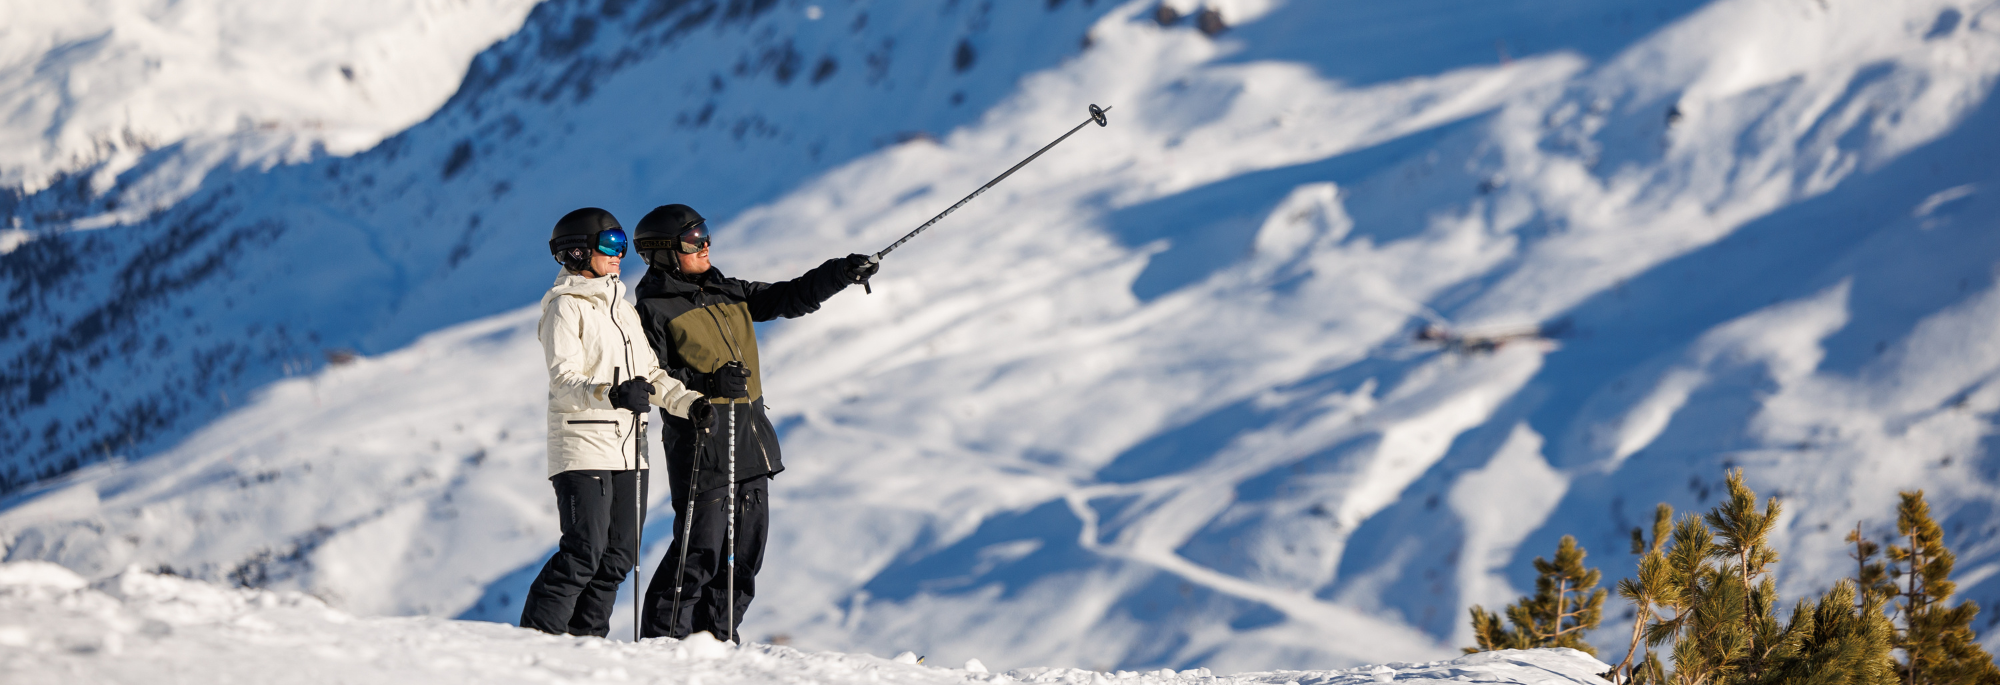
pixel 638 501
pixel 1096 115
pixel 729 593
pixel 687 524
pixel 639 472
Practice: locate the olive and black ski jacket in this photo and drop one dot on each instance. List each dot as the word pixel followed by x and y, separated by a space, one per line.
pixel 698 323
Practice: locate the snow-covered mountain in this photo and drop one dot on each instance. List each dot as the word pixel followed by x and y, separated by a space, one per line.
pixel 1153 402
pixel 90 87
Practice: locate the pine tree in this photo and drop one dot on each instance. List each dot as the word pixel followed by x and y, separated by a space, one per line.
pixel 1709 642
pixel 1491 634
pixel 1642 592
pixel 1834 643
pixel 1936 639
pixel 1707 589
pixel 1743 533
pixel 1709 592
pixel 1871 577
pixel 1566 603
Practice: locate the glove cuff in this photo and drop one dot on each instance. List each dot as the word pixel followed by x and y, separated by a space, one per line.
pixel 685 406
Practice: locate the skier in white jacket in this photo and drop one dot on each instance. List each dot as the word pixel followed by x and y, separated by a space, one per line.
pixel 603 377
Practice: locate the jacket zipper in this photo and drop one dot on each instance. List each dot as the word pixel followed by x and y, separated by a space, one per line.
pixel 762 453
pixel 627 340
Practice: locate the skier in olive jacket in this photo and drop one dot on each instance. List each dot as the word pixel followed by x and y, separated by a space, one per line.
pixel 699 322
pixel 603 380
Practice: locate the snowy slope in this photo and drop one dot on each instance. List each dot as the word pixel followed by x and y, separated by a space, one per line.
pixel 91 86
pixel 1151 403
pixel 420 231
pixel 139 627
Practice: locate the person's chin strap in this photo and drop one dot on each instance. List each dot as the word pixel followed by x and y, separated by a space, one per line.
pixel 587 269
pixel 663 259
pixel 583 269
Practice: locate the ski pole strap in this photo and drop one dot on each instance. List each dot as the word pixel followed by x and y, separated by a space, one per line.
pixel 1096 116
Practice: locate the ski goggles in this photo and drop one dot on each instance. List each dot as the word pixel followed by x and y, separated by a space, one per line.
pixel 611 242
pixel 691 240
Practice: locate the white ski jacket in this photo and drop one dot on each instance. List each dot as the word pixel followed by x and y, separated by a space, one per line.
pixel 588 330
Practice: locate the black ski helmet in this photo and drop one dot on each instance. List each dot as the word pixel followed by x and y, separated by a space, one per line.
pixel 575 236
pixel 664 227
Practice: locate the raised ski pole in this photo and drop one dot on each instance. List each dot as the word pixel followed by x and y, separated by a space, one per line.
pixel 1096 115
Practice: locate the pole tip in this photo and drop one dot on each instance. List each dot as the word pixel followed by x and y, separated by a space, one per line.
pixel 1097 115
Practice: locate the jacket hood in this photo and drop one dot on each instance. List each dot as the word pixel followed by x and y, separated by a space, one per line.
pixel 604 290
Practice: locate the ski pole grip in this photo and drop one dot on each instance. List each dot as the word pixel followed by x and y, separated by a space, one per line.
pixel 614 387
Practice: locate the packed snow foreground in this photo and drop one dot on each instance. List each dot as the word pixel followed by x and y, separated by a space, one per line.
pixel 143 627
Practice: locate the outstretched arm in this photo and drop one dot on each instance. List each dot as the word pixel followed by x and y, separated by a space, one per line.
pixel 799 296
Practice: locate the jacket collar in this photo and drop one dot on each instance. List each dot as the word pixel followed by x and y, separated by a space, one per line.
pixel 602 291
pixel 665 283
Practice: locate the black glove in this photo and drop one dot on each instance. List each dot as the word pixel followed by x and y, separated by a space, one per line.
pixel 731 381
pixel 702 414
pixel 633 395
pixel 857 268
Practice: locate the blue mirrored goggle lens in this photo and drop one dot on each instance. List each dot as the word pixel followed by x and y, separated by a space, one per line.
pixel 611 242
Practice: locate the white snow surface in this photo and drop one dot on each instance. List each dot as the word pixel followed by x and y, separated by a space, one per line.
pixel 138 627
pixel 93 85
pixel 1152 401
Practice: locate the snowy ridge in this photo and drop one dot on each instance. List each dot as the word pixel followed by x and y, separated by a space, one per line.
pixel 93 86
pixel 139 627
pixel 1152 403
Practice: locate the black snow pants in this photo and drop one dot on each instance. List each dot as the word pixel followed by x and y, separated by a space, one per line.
pixel 576 589
pixel 703 586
